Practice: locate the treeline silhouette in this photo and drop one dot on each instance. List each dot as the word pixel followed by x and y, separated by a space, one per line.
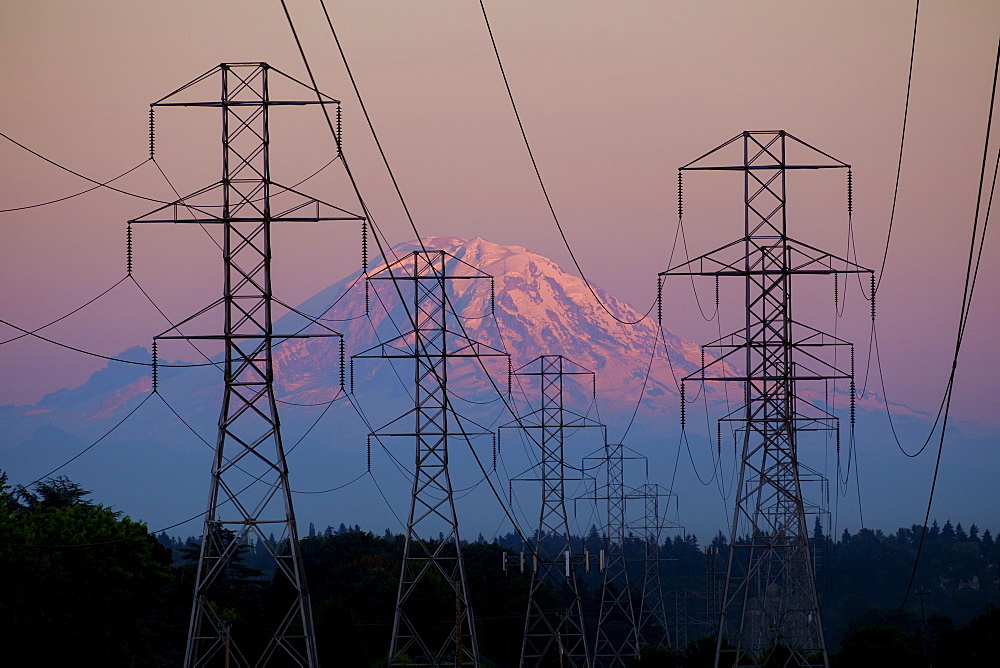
pixel 83 581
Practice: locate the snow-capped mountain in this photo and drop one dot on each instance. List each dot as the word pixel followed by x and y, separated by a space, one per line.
pixel 530 307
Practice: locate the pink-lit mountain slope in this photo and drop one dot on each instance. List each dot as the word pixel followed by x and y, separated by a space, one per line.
pixel 539 310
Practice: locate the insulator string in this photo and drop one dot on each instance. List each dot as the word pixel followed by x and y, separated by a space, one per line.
pixel 683 415
pixel 342 370
pixel 152 134
pixel 154 366
pixel 873 298
pixel 340 145
pixel 128 249
pixel 680 194
pixel 850 192
pixel 659 300
pixel 364 246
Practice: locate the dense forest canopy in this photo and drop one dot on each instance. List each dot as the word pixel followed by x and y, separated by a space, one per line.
pixel 82 580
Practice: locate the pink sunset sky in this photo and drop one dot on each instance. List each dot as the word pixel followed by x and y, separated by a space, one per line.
pixel 614 97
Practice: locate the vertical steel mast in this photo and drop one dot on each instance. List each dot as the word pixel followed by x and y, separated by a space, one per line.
pixel 249 496
pixel 553 636
pixel 424 634
pixel 769 605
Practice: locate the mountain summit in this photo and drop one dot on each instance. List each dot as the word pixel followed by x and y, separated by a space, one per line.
pixel 539 310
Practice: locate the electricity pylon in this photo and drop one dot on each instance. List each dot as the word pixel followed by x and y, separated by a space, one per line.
pixel 249 493
pixel 653 620
pixel 553 637
pixel 770 585
pixel 617 642
pixel 431 569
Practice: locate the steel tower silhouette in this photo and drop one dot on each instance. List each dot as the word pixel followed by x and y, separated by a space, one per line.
pixel 769 604
pixel 653 620
pixel 617 642
pixel 554 637
pixel 419 639
pixel 249 494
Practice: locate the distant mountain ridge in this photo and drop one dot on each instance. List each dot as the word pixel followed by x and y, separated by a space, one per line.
pixel 539 310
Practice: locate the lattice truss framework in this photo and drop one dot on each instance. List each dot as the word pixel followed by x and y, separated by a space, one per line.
pixel 617 637
pixel 555 636
pixel 249 494
pixel 654 620
pixel 770 600
pixel 422 279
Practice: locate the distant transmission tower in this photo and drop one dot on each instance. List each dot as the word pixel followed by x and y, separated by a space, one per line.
pixel 653 619
pixel 249 493
pixel 769 604
pixel 617 628
pixel 553 636
pixel 431 568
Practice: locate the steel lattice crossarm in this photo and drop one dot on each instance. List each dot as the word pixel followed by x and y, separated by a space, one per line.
pixel 250 498
pixel 422 636
pixel 770 609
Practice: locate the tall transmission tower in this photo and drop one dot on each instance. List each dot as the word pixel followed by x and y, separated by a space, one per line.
pixel 653 620
pixel 249 493
pixel 553 637
pixel 769 601
pixel 419 636
pixel 617 641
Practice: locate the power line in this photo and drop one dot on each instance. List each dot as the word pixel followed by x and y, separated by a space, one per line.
pixel 971 274
pixel 82 192
pixel 98 184
pixel 541 182
pixel 902 140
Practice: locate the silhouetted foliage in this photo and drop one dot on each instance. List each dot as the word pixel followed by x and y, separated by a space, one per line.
pixel 81 581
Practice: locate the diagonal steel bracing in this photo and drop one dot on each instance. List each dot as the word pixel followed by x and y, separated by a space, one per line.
pixel 553 636
pixel 433 624
pixel 249 495
pixel 769 607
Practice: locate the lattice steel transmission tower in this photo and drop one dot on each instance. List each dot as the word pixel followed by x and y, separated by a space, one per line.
pixel 418 637
pixel 553 637
pixel 653 620
pixel 769 601
pixel 617 642
pixel 249 493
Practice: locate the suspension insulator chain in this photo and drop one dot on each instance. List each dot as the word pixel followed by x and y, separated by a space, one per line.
pixel 850 192
pixel 154 366
pixel 873 298
pixel 683 408
pixel 128 249
pixel 152 134
pixel 680 194
pixel 342 369
pixel 340 144
pixel 364 245
pixel 659 300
